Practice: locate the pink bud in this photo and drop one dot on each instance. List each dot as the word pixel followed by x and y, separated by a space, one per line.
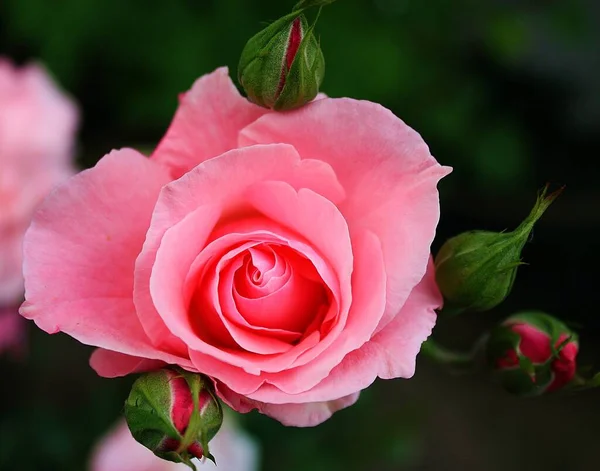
pixel 533 355
pixel 174 413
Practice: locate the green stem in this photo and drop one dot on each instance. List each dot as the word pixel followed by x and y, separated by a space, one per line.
pixel 459 362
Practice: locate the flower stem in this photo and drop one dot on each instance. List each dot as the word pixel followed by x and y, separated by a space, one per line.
pixel 457 362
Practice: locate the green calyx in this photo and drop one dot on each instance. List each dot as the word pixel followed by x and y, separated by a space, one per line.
pixel 204 422
pixel 263 69
pixel 148 411
pixel 476 270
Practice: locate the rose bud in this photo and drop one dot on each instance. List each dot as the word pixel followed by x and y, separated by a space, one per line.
pixel 174 414
pixel 533 353
pixel 476 270
pixel 282 67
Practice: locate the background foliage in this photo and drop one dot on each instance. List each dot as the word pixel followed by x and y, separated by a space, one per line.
pixel 505 91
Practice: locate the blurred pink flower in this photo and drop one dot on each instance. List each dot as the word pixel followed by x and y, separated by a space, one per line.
pixel 11 331
pixel 233 450
pixel 37 129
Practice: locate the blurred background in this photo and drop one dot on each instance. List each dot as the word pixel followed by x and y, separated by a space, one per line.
pixel 505 91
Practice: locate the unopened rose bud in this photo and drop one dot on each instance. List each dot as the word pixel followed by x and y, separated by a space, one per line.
pixel 282 67
pixel 475 270
pixel 533 353
pixel 174 413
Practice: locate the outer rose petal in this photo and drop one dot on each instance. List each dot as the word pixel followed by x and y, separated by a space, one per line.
pixel 386 169
pixel 80 253
pixel 308 414
pixel 390 354
pixel 109 364
pixel 206 124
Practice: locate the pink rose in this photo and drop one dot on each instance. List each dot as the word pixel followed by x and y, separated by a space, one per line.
pixel 37 127
pixel 285 255
pixel 233 450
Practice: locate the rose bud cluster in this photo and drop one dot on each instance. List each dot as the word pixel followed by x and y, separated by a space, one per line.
pixel 174 414
pixel 282 66
pixel 476 270
pixel 533 353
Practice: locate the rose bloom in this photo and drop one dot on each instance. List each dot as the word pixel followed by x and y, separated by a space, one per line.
pixel 37 129
pixel 233 449
pixel 285 255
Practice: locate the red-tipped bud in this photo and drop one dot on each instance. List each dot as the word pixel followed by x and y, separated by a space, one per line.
pixel 174 413
pixel 282 66
pixel 533 353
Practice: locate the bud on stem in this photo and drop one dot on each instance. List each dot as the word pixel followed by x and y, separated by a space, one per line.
pixel 476 270
pixel 174 413
pixel 454 361
pixel 282 66
pixel 533 353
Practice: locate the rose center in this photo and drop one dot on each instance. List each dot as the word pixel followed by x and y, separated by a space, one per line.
pixel 266 290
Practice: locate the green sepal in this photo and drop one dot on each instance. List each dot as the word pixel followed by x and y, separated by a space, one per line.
pixel 147 407
pixel 580 383
pixel 194 428
pixel 476 270
pixel 259 68
pixel 501 340
pixel 201 428
pixel 519 382
pixel 305 76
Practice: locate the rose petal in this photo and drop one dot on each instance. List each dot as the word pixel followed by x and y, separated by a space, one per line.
pixel 308 414
pixel 387 172
pixel 206 124
pixel 85 259
pixel 292 306
pixel 109 364
pixel 390 354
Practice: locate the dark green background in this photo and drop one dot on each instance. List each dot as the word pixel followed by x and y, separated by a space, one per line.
pixel 506 91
